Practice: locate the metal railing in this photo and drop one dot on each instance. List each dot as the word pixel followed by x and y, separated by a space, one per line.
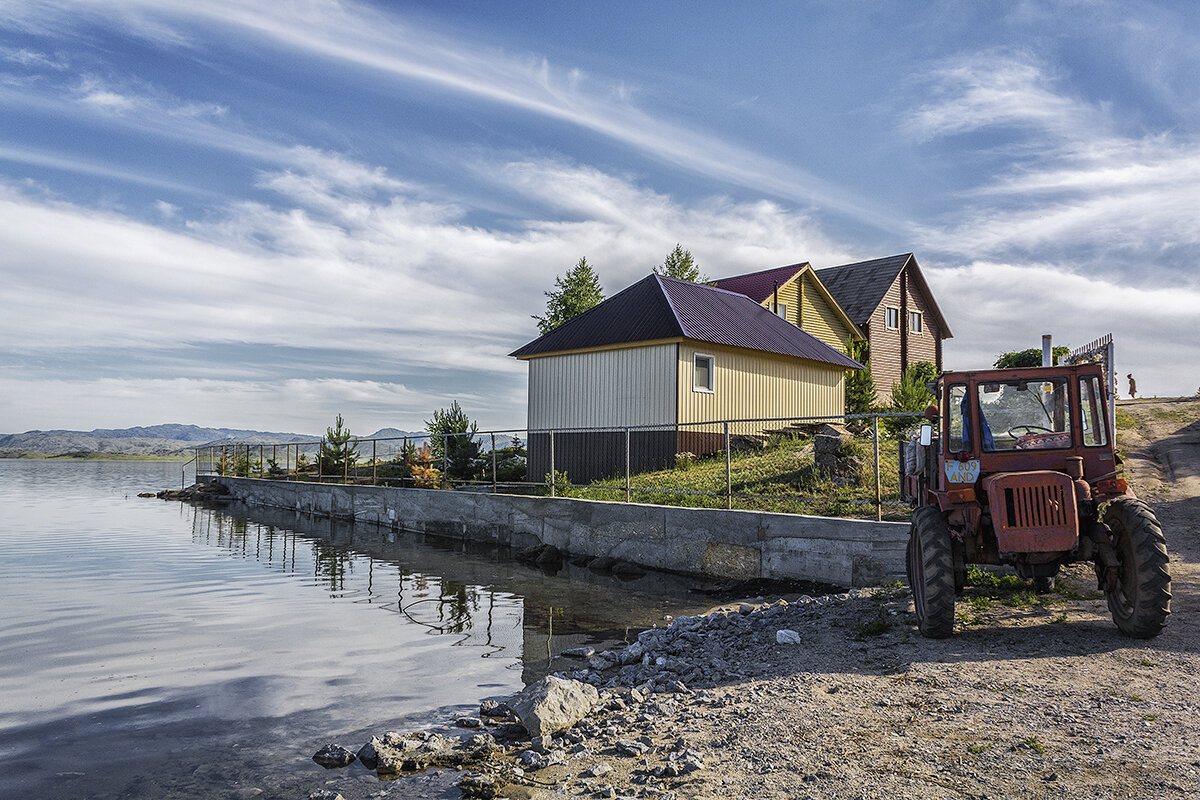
pixel 724 463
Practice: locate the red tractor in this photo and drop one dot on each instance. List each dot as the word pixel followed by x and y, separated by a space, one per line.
pixel 1020 471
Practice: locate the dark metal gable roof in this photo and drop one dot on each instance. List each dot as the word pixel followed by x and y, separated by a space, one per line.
pixel 758 286
pixel 658 307
pixel 860 287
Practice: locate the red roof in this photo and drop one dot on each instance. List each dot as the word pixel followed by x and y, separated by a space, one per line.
pixel 758 286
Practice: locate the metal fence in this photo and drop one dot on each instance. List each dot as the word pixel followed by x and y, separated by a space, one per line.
pixel 766 463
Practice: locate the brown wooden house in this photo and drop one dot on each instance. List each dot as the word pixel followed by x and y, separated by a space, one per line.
pixel 892 305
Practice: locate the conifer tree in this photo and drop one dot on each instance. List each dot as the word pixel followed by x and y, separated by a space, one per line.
pixel 861 395
pixel 575 293
pixel 680 264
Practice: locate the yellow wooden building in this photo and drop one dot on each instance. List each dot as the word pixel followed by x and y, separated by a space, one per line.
pixel 668 360
pixel 796 294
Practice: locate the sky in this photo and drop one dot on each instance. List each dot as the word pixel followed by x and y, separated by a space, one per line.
pixel 260 215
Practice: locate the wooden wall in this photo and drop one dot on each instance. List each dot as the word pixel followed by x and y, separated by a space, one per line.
pixel 893 350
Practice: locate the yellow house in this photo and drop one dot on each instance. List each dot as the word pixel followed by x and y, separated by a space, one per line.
pixel 797 295
pixel 661 364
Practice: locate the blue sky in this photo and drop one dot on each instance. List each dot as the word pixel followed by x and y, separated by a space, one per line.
pixel 259 215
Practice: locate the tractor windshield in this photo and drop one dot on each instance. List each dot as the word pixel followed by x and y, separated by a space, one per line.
pixel 1025 414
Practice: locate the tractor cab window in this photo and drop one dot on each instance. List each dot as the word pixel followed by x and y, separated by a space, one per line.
pixel 959 434
pixel 1023 414
pixel 1091 412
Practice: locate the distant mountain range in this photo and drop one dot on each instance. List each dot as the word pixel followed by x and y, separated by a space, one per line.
pixel 152 440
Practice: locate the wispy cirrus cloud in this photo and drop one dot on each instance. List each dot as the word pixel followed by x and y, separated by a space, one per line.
pixel 362 38
pixel 1072 183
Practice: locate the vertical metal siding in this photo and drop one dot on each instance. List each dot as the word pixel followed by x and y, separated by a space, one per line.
pixel 625 386
pixel 753 384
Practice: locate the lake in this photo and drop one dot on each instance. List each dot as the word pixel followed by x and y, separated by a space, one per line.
pixel 153 649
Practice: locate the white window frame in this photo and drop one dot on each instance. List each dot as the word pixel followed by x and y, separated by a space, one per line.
pixel 782 310
pixel 887 318
pixel 711 388
pixel 916 324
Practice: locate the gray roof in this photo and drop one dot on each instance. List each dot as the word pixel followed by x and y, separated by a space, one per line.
pixel 859 288
pixel 658 307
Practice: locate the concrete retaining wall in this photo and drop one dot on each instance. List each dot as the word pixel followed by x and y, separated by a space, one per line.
pixel 697 541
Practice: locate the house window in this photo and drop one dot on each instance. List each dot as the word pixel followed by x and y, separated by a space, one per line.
pixel 782 310
pixel 914 321
pixel 703 379
pixel 893 318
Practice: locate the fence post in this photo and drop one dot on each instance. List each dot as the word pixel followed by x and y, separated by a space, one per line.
pixel 728 469
pixel 320 469
pixel 493 463
pixel 374 463
pixel 403 453
pixel 878 493
pixel 445 461
pixel 275 455
pixel 553 476
pixel 346 463
pixel 627 465
pixel 262 461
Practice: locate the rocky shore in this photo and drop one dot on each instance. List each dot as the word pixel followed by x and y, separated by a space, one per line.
pixel 838 697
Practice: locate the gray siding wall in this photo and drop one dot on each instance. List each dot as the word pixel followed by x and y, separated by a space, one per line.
pixel 605 388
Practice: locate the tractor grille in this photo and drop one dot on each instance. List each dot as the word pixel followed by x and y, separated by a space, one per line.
pixel 1033 512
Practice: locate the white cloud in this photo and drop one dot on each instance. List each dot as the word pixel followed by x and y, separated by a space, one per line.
pixel 992 89
pixel 350 261
pixel 298 406
pixel 997 307
pixel 1072 183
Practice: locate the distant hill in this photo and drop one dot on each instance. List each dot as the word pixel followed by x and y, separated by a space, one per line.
pixel 162 440
pixel 153 440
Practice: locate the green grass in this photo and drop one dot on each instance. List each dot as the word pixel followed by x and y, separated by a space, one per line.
pixel 1033 744
pixel 784 474
pixel 1125 421
pixel 976 749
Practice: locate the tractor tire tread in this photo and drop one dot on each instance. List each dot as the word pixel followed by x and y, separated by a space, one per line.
pixel 1149 609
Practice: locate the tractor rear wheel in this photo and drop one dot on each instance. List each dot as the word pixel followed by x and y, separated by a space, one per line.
pixel 1142 600
pixel 930 565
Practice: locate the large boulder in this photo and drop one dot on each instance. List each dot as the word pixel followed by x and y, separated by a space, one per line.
pixel 553 704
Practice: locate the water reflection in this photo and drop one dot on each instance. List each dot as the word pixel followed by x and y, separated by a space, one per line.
pixel 449 588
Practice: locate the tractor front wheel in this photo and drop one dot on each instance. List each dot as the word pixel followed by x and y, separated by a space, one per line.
pixel 1142 600
pixel 930 565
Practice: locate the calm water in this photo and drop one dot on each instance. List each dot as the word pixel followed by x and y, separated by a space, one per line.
pixel 151 649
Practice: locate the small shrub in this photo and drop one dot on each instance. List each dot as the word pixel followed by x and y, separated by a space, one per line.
pixel 976 749
pixel 685 460
pixel 426 476
pixel 1033 744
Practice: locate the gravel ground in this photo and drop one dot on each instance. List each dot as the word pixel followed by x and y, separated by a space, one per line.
pixel 1031 698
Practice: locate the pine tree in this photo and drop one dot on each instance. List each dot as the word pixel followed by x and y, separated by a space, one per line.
pixel 459 451
pixel 680 264
pixel 576 292
pixel 861 395
pixel 338 452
